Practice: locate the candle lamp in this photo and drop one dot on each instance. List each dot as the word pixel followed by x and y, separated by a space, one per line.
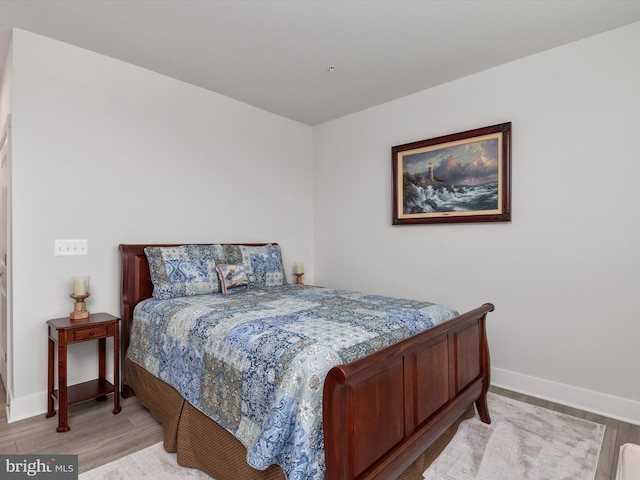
pixel 80 294
pixel 298 271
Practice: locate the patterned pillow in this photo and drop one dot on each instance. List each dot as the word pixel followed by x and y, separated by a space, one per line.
pixel 263 265
pixel 232 278
pixel 185 270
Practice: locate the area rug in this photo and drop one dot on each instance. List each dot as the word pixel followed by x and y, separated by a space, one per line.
pixel 523 442
pixel 153 463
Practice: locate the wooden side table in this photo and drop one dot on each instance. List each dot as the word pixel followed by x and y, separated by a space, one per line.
pixel 65 331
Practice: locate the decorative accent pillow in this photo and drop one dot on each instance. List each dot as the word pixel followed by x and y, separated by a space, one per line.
pixel 232 278
pixel 185 270
pixel 263 265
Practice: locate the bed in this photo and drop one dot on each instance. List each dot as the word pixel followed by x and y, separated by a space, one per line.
pixel 386 414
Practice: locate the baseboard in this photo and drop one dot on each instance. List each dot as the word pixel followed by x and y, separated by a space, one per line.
pixel 29 406
pixel 604 404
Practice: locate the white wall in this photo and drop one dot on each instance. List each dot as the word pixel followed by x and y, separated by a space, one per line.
pixel 563 274
pixel 94 139
pixel 112 153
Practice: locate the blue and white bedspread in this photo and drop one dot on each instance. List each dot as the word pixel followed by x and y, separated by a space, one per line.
pixel 255 362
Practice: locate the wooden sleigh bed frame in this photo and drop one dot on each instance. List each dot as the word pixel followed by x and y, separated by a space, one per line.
pixel 384 415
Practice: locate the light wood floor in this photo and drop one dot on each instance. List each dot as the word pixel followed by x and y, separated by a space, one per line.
pixel 98 437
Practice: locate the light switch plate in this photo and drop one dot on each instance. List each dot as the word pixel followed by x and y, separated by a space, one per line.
pixel 70 247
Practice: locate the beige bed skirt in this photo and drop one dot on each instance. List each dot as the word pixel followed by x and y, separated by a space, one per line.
pixel 203 444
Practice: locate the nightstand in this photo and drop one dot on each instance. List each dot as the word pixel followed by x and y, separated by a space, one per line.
pixel 64 331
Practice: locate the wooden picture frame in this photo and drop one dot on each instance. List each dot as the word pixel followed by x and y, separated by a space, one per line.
pixel 457 178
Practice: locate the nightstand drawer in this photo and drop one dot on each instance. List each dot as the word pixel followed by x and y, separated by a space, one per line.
pixel 90 332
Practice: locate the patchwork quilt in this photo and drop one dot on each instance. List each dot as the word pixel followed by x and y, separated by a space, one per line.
pixel 255 362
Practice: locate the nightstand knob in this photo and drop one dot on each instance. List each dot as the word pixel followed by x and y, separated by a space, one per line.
pixel 91 333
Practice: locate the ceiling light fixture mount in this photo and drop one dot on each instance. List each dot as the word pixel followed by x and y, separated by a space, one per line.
pixel 331 68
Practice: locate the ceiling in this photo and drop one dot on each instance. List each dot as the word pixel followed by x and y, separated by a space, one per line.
pixel 276 55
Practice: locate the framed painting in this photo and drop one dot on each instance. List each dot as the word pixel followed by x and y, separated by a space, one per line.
pixel 462 177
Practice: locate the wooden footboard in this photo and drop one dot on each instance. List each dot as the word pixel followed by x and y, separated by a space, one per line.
pixel 382 411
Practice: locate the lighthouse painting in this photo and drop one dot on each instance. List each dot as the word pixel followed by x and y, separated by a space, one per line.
pixel 464 177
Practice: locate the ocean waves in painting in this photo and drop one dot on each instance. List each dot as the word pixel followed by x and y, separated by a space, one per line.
pixel 450 198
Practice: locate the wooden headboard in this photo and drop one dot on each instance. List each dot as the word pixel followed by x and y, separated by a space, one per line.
pixel 137 286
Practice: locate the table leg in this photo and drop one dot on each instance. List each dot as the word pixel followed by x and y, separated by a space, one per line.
pixel 50 375
pixel 62 382
pixel 102 364
pixel 116 371
pixel 102 358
